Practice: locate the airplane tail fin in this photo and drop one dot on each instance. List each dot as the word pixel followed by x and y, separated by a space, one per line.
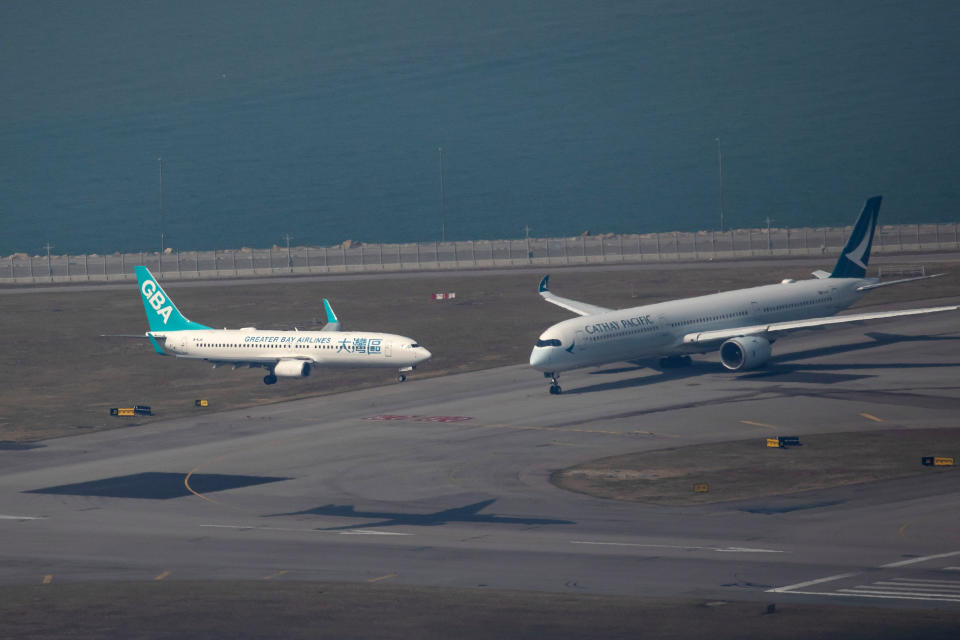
pixel 855 256
pixel 333 323
pixel 162 314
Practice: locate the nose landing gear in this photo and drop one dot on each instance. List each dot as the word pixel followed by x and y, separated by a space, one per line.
pixel 555 389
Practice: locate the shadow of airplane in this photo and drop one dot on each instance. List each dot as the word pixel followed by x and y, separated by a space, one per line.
pixel 879 339
pixel 695 369
pixel 810 373
pixel 468 513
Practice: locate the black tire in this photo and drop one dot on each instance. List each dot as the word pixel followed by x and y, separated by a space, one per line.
pixel 270 379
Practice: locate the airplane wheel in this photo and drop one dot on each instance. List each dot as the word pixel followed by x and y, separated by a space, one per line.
pixel 401 378
pixel 555 389
pixel 674 362
pixel 270 379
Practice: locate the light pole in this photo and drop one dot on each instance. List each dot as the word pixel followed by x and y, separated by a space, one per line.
pixel 288 238
pixel 162 238
pixel 443 213
pixel 49 246
pixel 720 182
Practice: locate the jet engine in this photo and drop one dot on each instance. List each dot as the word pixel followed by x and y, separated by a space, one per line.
pixel 292 369
pixel 747 352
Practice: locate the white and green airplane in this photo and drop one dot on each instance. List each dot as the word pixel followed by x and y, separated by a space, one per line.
pixel 741 324
pixel 287 354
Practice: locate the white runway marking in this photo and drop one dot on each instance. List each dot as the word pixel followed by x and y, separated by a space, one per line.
pixel 809 583
pixel 904 563
pixel 675 546
pixel 887 589
pixel 908 588
pixel 3 517
pixel 369 532
pixel 345 532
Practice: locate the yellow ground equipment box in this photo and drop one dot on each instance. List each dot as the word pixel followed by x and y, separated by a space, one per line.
pixel 139 410
pixel 783 442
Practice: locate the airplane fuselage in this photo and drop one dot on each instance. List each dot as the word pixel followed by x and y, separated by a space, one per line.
pixel 658 330
pixel 319 348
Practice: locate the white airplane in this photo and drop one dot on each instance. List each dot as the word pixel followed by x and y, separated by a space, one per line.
pixel 742 324
pixel 288 354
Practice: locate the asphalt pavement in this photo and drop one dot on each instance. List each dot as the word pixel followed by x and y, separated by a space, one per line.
pixel 445 482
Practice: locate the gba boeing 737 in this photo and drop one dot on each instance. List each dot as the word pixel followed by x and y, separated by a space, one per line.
pixel 741 324
pixel 287 354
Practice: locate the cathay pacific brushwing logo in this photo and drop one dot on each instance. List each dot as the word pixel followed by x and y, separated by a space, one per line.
pixel 155 298
pixel 856 256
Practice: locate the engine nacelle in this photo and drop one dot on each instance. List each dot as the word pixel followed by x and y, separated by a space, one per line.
pixel 748 352
pixel 292 369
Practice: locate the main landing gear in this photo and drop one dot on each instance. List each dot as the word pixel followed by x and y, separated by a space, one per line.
pixel 269 379
pixel 555 389
pixel 675 362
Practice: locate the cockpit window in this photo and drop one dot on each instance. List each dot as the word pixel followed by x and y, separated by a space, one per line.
pixel 414 345
pixel 548 343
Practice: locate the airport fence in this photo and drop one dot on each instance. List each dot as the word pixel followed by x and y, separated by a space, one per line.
pixel 353 257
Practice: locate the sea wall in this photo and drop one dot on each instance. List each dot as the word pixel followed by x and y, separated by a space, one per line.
pixel 352 256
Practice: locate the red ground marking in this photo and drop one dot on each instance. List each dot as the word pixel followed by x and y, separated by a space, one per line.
pixel 421 418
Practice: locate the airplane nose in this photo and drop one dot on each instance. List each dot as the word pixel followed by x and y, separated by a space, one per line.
pixel 539 358
pixel 423 355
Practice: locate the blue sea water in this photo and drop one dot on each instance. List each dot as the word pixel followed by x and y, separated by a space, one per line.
pixel 324 120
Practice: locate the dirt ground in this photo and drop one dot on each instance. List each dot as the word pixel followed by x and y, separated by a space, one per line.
pixel 747 469
pixel 293 610
pixel 58 377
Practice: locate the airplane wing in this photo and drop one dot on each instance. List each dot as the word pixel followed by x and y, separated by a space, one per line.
pixel 579 308
pixel 774 328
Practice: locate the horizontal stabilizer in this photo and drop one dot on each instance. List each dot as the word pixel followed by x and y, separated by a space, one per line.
pixel 877 285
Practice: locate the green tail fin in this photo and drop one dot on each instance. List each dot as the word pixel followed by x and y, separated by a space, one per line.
pixel 162 314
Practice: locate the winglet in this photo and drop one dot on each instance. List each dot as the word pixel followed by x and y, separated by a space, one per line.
pixel 333 323
pixel 544 284
pixel 852 262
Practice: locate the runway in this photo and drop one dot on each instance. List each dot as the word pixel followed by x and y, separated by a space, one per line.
pixel 445 482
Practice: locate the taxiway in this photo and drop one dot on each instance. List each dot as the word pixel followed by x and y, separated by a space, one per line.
pixel 445 481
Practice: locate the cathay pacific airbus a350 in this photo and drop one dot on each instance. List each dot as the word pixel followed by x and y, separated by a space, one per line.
pixel 290 354
pixel 741 324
